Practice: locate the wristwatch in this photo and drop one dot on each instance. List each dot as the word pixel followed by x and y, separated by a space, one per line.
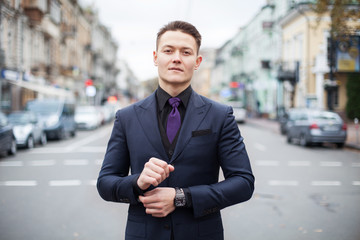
pixel 179 200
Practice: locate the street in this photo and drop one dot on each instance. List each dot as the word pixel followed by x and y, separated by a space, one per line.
pixel 300 193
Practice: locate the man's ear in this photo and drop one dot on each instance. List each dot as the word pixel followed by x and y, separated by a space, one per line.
pixel 198 62
pixel 155 58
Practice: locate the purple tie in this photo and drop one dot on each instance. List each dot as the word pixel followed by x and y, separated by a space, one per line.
pixel 174 120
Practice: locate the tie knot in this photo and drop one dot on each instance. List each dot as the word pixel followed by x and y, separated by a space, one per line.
pixel 174 102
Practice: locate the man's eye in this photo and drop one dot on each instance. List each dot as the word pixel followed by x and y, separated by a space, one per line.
pixel 187 52
pixel 167 51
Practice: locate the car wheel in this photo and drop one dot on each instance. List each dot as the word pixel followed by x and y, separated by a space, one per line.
pixel 288 138
pixel 43 139
pixel 73 133
pixel 13 148
pixel 303 141
pixel 339 145
pixel 30 142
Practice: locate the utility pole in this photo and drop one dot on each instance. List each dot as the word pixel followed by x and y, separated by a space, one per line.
pixel 331 86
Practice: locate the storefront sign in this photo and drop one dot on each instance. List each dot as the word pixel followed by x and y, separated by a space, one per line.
pixel 347 55
pixel 10 74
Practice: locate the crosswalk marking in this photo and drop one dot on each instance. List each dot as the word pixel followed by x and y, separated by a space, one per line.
pixel 11 164
pixel 63 183
pixel 42 163
pixel 330 164
pixel 283 183
pixel 19 183
pixel 356 183
pixel 326 183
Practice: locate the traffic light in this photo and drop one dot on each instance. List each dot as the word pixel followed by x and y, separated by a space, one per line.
pixel 89 82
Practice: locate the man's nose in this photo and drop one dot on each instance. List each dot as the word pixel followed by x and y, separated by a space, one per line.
pixel 177 57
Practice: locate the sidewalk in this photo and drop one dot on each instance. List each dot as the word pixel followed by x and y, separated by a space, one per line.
pixel 274 126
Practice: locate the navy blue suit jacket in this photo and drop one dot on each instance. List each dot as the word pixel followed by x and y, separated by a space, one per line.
pixel 209 138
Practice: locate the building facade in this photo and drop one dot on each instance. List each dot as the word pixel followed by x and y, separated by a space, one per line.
pixel 48 49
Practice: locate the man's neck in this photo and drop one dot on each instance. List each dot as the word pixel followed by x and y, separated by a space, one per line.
pixel 174 89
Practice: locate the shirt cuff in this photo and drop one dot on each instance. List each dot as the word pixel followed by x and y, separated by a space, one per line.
pixel 137 190
pixel 188 198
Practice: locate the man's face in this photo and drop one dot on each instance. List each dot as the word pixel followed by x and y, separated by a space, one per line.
pixel 176 58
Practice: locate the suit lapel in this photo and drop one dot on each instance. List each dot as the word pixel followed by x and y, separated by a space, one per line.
pixel 195 113
pixel 146 113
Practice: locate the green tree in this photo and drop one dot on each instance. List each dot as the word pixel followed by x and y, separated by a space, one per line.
pixel 353 90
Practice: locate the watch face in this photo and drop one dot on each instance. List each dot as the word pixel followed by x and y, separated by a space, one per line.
pixel 180 200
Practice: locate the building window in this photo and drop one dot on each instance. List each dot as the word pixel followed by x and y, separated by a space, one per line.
pixel 55 11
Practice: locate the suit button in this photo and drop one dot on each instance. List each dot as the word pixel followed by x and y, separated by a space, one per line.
pixel 167 226
pixel 171 152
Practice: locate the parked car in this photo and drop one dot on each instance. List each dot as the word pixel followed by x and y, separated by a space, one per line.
pixel 315 126
pixel 87 117
pixel 7 138
pixel 57 116
pixel 28 130
pixel 238 110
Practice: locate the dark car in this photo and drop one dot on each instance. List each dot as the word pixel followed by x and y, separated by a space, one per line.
pixel 56 115
pixel 315 127
pixel 7 138
pixel 28 130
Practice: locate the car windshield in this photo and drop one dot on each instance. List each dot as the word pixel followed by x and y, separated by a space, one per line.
pixel 325 116
pixel 19 118
pixel 85 110
pixel 44 108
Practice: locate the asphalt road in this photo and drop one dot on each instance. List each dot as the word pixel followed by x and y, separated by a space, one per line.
pixel 301 193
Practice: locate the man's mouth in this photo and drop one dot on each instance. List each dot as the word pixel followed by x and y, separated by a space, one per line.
pixel 176 69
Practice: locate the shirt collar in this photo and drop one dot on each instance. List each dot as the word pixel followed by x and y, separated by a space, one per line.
pixel 162 97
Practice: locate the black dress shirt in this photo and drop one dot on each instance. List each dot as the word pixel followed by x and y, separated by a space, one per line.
pixel 163 110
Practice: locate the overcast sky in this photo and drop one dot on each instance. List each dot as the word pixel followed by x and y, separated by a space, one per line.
pixel 134 24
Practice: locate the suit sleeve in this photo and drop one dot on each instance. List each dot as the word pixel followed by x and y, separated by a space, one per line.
pixel 114 183
pixel 238 185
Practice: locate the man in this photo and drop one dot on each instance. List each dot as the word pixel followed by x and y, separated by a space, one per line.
pixel 174 142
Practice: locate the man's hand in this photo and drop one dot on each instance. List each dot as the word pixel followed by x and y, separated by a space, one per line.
pixel 155 171
pixel 159 202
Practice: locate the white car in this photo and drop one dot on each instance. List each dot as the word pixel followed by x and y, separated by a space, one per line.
pixel 239 111
pixel 28 130
pixel 87 117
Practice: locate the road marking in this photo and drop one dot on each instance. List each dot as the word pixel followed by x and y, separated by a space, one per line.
pixel 42 163
pixel 326 183
pixel 331 164
pixel 267 163
pixel 283 183
pixel 11 164
pixel 356 183
pixel 299 163
pixel 18 183
pixel 64 183
pixel 76 162
pixel 355 164
pixel 260 147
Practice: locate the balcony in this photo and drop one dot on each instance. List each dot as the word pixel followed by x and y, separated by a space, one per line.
pixel 289 71
pixel 50 28
pixel 35 9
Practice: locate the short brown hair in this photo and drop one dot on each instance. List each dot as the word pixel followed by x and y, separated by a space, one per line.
pixel 182 26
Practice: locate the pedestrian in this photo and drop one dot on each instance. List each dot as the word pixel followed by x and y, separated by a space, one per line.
pixel 174 143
